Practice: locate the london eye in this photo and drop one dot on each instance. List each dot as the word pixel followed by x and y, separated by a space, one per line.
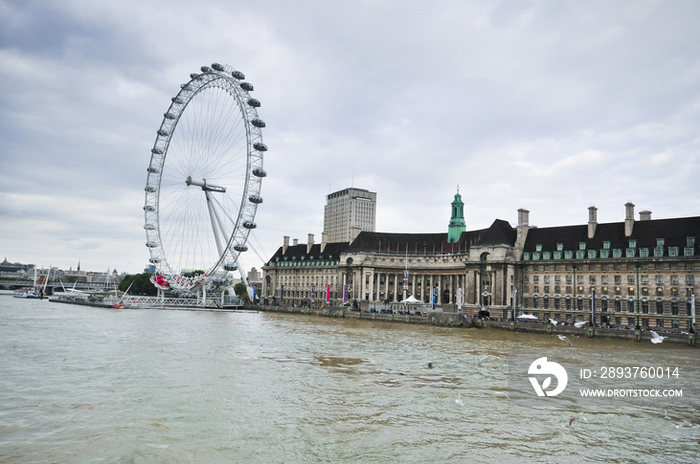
pixel 204 180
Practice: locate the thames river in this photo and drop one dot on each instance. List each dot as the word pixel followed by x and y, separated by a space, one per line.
pixel 83 384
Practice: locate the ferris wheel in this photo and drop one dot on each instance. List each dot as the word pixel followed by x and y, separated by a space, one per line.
pixel 204 178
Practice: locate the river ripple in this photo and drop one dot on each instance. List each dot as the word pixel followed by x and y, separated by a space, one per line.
pixel 82 384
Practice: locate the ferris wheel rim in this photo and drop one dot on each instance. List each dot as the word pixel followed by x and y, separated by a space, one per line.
pixel 231 81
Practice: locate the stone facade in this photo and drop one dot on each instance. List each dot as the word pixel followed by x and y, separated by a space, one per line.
pixel 632 271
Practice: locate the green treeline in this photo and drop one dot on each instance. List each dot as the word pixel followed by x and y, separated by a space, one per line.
pixel 140 285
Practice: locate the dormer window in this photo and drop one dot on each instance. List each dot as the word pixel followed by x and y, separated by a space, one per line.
pixel 582 246
pixel 606 245
pixel 633 244
pixel 538 247
pixel 690 242
pixel 660 242
pixel 560 247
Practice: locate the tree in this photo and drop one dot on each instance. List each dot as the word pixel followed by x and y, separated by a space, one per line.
pixel 241 291
pixel 140 284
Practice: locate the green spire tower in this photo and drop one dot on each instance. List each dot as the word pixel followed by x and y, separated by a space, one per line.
pixel 457 224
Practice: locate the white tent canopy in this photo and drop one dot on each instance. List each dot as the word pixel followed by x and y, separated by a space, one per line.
pixel 411 300
pixel 527 316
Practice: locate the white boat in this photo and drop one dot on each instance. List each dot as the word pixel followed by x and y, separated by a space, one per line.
pixel 35 291
pixel 26 293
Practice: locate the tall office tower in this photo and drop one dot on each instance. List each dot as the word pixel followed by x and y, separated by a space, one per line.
pixel 346 209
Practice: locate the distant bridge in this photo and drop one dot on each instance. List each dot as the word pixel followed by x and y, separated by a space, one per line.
pixel 53 285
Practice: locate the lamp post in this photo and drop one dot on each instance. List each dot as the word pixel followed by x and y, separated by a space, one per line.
pixel 575 288
pixel 636 294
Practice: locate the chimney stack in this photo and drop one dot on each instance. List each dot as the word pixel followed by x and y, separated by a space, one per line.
pixel 592 221
pixel 629 219
pixel 324 240
pixel 295 242
pixel 309 243
pixel 523 217
pixel 285 244
pixel 645 215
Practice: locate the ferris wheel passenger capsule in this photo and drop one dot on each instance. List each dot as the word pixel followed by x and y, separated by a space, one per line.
pixel 254 102
pixel 257 122
pixel 247 86
pixel 259 172
pixel 238 75
pixel 230 267
pixel 218 67
pixel 249 224
pixel 260 146
pixel 240 247
pixel 257 199
pixel 206 69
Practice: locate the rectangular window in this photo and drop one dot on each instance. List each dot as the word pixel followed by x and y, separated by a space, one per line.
pixel 630 291
pixel 604 280
pixel 538 247
pixel 644 253
pixel 604 305
pixel 690 280
pixel 568 303
pixel 690 242
pixel 618 279
pixel 645 291
pixel 674 308
pixel 673 251
pixel 659 291
pixel 630 279
pixel 674 292
pixel 591 254
pixel 546 289
pixel 645 322
pixel 579 305
pixel 557 305
pixel 689 251
pixel 633 244
pixel 645 280
pixel 618 291
pixel 645 307
pixel 604 254
pixel 546 303
pixel 546 255
pixel 535 303
pixel 580 254
pixel 659 307
pixel 629 253
pixel 630 321
pixel 660 323
pixel 675 324
pixel 560 247
pixel 606 245
pixel 591 279
pixel 568 254
pixel 618 321
pixel 617 253
pixel 605 290
pixel 526 256
pixel 658 252
pixel 630 306
pixel 618 306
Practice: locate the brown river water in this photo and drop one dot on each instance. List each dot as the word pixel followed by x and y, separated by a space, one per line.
pixel 83 384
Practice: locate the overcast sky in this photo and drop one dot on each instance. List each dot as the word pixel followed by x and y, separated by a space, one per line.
pixel 548 105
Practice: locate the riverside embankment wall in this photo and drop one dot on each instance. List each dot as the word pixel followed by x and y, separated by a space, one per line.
pixel 459 320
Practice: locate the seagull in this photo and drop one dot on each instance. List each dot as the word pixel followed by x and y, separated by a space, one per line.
pixel 459 399
pixel 552 321
pixel 656 338
pixel 580 324
pixel 564 339
pixel 489 356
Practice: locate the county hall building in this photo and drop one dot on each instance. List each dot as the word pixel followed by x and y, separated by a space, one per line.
pixel 634 271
